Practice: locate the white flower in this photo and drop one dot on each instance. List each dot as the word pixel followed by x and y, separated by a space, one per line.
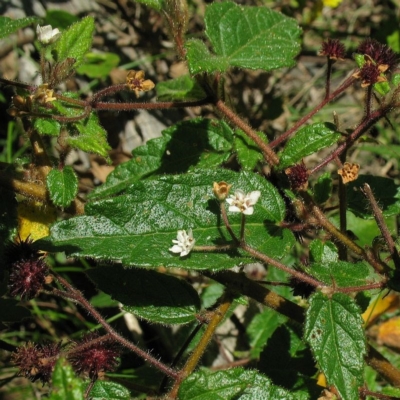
pixel 184 243
pixel 46 34
pixel 241 202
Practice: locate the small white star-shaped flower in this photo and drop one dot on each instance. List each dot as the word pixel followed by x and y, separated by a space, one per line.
pixel 184 243
pixel 46 34
pixel 243 203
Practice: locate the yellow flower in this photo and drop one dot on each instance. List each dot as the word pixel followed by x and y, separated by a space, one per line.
pixel 331 3
pixel 135 81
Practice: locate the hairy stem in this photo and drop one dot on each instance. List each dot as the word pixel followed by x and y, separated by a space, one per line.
pixel 382 224
pixel 348 82
pixel 75 295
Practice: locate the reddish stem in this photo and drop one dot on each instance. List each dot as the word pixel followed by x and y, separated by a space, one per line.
pixel 348 82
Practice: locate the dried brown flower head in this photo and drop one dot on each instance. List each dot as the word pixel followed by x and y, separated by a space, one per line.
pixel 221 190
pixel 135 81
pixel 349 172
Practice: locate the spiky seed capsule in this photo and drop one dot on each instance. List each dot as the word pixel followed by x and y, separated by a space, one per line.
pixel 20 250
pixel 96 358
pixel 298 176
pixel 380 53
pixel 27 277
pixel 333 49
pixel 36 362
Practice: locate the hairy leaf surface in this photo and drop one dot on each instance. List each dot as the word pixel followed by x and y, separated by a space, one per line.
pixel 335 333
pixel 138 227
pixel 244 37
pixel 235 383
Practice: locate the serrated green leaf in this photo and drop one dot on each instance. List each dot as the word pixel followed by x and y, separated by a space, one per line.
pixel 323 188
pixel 104 390
pixel 323 252
pixel 248 153
pixel 190 144
pixel 334 330
pixel 179 89
pixel 343 274
pixel 9 26
pixel 65 385
pixel 235 383
pixel 47 126
pixel 260 329
pixel 62 186
pixel 308 140
pixel 244 37
pixel 386 193
pixel 292 359
pixel 10 311
pixel 92 137
pixel 148 294
pixel 138 228
pixel 76 41
pixel 98 65
pixel 145 160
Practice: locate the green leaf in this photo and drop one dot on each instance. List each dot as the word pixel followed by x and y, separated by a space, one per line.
pixel 248 153
pixel 10 311
pixel 145 160
pixel 104 390
pixel 76 41
pixel 334 329
pixel 62 186
pixel 102 300
pixel 308 140
pixel 92 137
pixel 47 126
pixel 382 88
pixel 231 384
pixel 260 329
pixel 197 143
pixel 386 193
pixel 179 89
pixel 148 294
pixel 189 144
pixel 138 228
pixel 98 65
pixel 65 385
pixel 59 19
pixel 244 37
pixel 323 188
pixel 343 274
pixel 9 26
pixel 323 252
pixel 287 360
pixel 396 79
